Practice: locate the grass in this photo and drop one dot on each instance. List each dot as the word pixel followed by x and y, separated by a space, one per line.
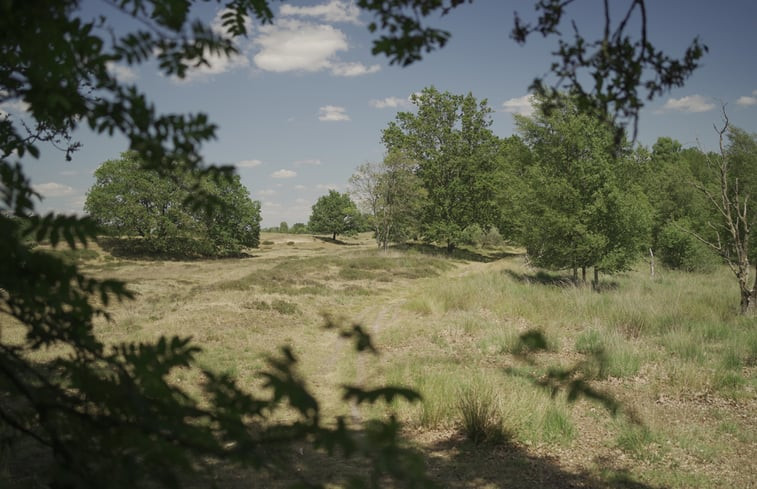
pixel 672 351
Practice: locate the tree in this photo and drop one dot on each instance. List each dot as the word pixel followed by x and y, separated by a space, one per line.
pixel 392 195
pixel 733 169
pixel 128 199
pixel 455 151
pixel 107 416
pixel 235 223
pixel 578 213
pixel 283 227
pixel 299 228
pixel 666 175
pixel 334 213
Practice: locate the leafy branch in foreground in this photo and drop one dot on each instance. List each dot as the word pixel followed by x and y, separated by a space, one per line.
pixel 625 68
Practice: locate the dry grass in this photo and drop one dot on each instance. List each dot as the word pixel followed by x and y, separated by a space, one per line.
pixel 678 357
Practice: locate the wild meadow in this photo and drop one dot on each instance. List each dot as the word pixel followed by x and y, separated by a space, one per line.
pixel 669 361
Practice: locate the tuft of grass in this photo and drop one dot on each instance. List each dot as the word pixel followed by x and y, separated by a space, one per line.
pixel 590 342
pixel 635 440
pixel 611 354
pixel 556 426
pixel 258 305
pixel 479 413
pixel 284 307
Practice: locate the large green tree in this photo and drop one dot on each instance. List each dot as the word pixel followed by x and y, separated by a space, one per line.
pixel 334 213
pixel 449 138
pixel 108 417
pixel 578 212
pixel 129 199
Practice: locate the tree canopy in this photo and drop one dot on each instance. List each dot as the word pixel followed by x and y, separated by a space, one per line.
pixel 130 200
pixel 334 213
pixel 578 212
pixel 455 153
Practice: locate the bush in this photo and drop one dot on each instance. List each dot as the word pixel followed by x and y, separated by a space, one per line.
pixel 493 239
pixel 473 235
pixel 678 249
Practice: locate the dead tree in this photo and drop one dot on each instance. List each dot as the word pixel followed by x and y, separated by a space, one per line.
pixel 732 231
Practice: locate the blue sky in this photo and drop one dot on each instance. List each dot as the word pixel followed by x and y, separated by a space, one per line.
pixel 305 102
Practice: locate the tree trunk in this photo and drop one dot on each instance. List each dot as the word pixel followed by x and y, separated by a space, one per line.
pixel 747 304
pixel 575 274
pixel 450 247
pixel 334 237
pixel 651 263
pixel 595 283
pixel 583 275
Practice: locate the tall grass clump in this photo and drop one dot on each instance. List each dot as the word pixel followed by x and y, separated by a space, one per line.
pixel 610 353
pixel 480 416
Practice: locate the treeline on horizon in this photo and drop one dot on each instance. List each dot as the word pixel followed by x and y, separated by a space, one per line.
pixel 564 187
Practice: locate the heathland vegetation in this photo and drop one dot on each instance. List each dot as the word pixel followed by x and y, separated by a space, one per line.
pixel 470 366
pixel 670 356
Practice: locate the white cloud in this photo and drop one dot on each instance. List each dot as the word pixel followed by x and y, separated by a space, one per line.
pixel 217 64
pixel 332 113
pixel 266 192
pixel 284 174
pixel 520 105
pixel 18 107
pixel 310 162
pixel 353 69
pixel 747 100
pixel 54 189
pixel 690 103
pixel 390 103
pixel 333 11
pixel 77 204
pixel 248 163
pixel 69 173
pixel 327 186
pixel 122 73
pixel 291 45
pixel 300 187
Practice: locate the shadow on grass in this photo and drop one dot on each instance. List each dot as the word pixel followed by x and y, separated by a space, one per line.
pixel 542 277
pixel 457 253
pixel 140 249
pixel 456 463
pixel 451 461
pixel 327 239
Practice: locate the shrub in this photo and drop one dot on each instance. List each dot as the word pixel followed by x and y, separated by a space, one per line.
pixel 493 239
pixel 473 235
pixel 680 250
